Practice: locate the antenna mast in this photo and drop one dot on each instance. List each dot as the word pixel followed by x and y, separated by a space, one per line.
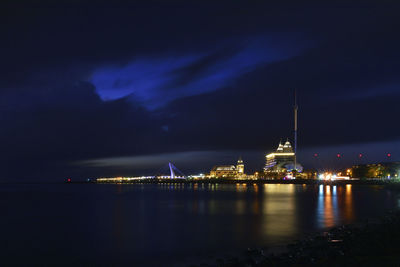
pixel 295 130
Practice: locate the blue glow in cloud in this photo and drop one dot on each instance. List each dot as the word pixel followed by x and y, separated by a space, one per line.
pixel 141 77
pixel 382 90
pixel 156 81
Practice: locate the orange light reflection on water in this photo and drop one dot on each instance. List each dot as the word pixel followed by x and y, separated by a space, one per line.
pixel 329 219
pixel 348 204
pixel 279 210
pixel 328 209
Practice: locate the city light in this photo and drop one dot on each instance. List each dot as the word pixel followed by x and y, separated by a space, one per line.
pixel 328 176
pixel 280 154
pixel 289 176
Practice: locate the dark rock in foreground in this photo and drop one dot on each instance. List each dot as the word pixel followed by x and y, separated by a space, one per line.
pixel 369 244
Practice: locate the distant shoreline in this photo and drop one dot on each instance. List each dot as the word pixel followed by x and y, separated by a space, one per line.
pixel 257 182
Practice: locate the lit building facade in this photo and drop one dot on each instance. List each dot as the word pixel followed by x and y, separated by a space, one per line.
pixel 240 167
pixel 223 171
pixel 281 160
pixel 228 171
pixel 388 170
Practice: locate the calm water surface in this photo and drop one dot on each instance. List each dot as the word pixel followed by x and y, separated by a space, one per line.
pixel 170 224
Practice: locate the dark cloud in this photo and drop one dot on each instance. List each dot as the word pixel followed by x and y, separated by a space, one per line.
pixel 199 68
pixel 62 125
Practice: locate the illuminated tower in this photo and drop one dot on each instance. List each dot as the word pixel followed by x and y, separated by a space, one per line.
pixel 295 130
pixel 240 167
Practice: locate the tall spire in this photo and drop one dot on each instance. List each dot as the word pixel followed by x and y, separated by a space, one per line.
pixel 280 147
pixel 295 130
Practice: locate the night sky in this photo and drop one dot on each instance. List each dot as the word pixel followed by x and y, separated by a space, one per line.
pixel 118 88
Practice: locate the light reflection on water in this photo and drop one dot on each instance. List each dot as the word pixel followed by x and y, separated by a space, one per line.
pixel 130 223
pixel 279 212
pixel 328 210
pixel 276 204
pixel 348 204
pixel 325 216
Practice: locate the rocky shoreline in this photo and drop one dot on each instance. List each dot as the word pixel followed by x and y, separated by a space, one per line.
pixel 374 242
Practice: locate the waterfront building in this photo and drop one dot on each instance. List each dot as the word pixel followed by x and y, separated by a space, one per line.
pixel 223 171
pixel 382 170
pixel 228 171
pixel 240 167
pixel 282 160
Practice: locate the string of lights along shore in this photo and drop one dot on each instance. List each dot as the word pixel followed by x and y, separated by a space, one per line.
pixel 280 164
